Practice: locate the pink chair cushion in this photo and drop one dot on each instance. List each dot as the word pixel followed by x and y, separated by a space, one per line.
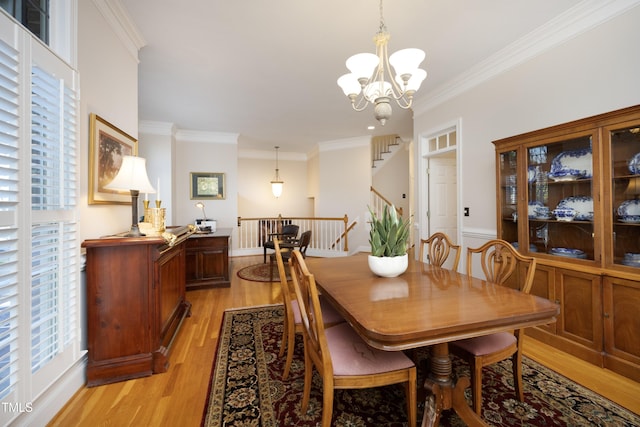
pixel 329 314
pixel 350 355
pixel 479 346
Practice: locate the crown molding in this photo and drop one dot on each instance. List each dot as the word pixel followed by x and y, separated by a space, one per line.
pixel 209 137
pixel 270 155
pixel 344 144
pixel 156 128
pixel 120 22
pixel 582 17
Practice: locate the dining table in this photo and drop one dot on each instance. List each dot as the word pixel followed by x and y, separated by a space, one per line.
pixel 426 306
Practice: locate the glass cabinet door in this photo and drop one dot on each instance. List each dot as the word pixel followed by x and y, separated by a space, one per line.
pixel 508 185
pixel 625 195
pixel 560 213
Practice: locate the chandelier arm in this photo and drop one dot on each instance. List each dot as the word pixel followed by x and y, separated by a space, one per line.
pixel 396 91
pixel 359 103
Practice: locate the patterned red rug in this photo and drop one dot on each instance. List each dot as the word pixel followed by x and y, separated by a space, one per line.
pixel 247 388
pixel 260 273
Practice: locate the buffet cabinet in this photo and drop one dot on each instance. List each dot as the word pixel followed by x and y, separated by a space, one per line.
pixel 135 305
pixel 207 257
pixel 569 195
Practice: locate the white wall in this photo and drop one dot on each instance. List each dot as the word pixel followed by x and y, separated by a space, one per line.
pixel 391 177
pixel 206 152
pixel 257 170
pixel 592 73
pixel 109 88
pixel 156 144
pixel 344 178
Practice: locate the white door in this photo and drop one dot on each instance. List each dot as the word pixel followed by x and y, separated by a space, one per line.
pixel 443 195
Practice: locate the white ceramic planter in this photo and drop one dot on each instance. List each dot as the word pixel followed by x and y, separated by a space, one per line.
pixel 388 266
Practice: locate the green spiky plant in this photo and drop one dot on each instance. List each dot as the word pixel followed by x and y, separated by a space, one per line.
pixel 389 235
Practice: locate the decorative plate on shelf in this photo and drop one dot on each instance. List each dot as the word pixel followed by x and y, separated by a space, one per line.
pixel 571 165
pixel 629 219
pixel 568 252
pixel 532 208
pixel 582 204
pixel 630 263
pixel 631 259
pixel 629 209
pixel 634 164
pixel 532 247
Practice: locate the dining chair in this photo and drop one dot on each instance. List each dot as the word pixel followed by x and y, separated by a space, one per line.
pixel 292 317
pixel 499 261
pixel 342 358
pixel 288 232
pixel 286 246
pixel 438 248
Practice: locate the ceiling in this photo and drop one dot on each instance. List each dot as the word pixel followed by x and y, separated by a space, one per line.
pixel 267 70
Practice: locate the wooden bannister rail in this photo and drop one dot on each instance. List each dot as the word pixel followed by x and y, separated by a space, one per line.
pixel 328 234
pixel 378 202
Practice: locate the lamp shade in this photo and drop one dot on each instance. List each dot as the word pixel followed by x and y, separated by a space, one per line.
pixel 132 176
pixel 349 84
pixel 415 81
pixel 406 61
pixel 276 188
pixel 362 64
pixel 377 89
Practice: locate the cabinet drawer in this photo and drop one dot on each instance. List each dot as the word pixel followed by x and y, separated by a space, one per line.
pixel 207 242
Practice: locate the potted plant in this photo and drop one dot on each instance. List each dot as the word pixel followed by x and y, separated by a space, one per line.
pixel 389 240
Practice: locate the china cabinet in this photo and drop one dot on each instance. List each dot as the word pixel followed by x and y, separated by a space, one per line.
pixel 570 196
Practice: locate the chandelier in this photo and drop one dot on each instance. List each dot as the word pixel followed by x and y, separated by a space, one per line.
pixel 367 83
pixel 277 183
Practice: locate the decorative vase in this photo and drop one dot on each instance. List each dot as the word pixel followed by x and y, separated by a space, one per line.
pixel 388 266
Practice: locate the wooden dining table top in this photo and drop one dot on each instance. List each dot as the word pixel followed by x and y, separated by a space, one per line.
pixel 426 305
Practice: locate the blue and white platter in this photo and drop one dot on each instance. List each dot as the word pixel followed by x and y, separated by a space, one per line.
pixel 532 247
pixel 583 206
pixel 631 259
pixel 568 252
pixel 532 208
pixel 630 263
pixel 634 164
pixel 629 219
pixel 629 210
pixel 572 165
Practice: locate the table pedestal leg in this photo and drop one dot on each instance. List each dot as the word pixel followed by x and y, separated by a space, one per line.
pixel 447 396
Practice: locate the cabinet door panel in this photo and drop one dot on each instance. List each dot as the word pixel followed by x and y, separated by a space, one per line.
pixel 581 314
pixel 213 263
pixel 170 288
pixel 191 267
pixel 543 286
pixel 622 322
pixel 114 280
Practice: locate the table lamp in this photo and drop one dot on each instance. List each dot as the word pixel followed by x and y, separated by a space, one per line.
pixel 132 177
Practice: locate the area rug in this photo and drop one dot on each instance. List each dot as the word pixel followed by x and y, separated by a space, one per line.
pixel 260 273
pixel 247 388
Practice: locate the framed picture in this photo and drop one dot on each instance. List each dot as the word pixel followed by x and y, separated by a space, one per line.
pixel 207 185
pixel 107 146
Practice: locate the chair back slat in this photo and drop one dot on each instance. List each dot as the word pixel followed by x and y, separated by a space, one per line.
pixel 499 260
pixel 309 302
pixel 439 246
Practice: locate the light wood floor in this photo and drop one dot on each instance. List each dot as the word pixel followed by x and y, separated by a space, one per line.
pixel 177 397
